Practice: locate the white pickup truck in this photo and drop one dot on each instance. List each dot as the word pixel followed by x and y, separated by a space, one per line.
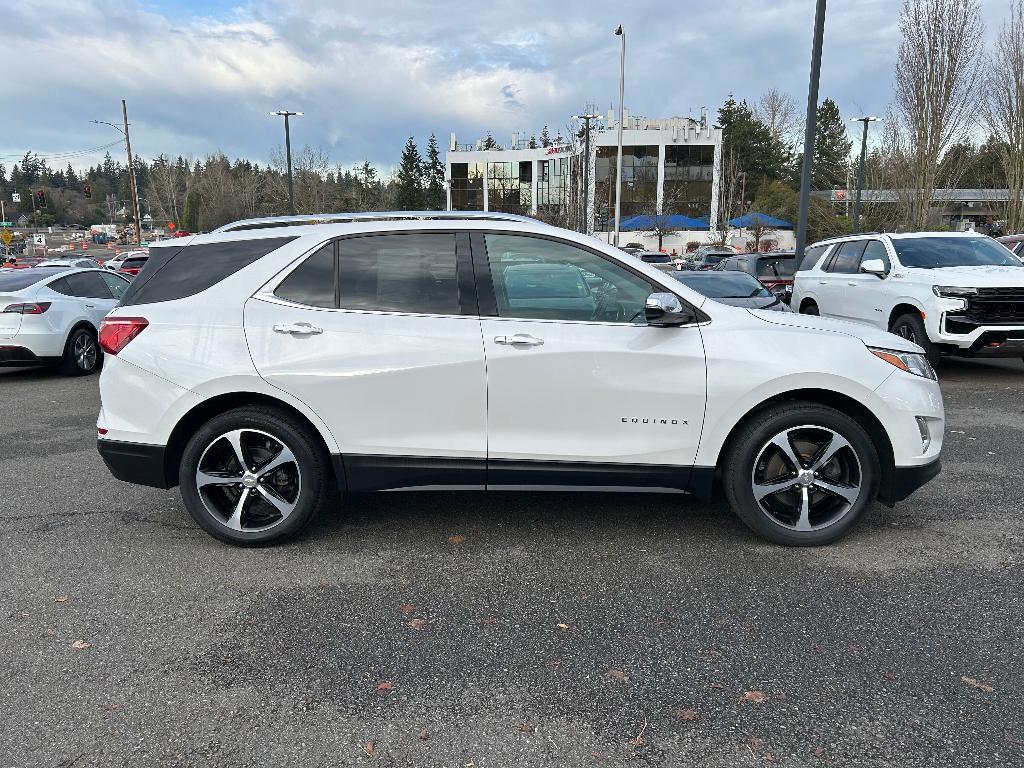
pixel 953 293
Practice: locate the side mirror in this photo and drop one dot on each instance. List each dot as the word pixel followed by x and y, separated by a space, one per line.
pixel 666 310
pixel 874 267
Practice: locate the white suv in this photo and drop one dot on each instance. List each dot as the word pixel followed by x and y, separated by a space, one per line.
pixel 956 293
pixel 272 362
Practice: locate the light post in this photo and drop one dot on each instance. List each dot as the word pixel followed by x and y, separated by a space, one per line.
pixel 809 131
pixel 288 153
pixel 132 188
pixel 586 168
pixel 618 157
pixel 860 169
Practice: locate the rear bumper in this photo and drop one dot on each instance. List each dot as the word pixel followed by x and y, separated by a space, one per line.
pixel 135 462
pixel 22 357
pixel 905 480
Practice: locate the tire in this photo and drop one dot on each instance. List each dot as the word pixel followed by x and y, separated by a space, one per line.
pixel 755 459
pixel 911 327
pixel 82 354
pixel 809 308
pixel 278 503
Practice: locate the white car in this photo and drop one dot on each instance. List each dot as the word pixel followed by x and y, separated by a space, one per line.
pixel 70 263
pixel 957 293
pixel 114 264
pixel 270 362
pixel 51 316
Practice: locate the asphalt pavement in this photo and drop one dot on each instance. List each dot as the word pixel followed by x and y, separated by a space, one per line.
pixel 447 629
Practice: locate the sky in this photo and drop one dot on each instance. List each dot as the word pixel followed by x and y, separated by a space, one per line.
pixel 201 77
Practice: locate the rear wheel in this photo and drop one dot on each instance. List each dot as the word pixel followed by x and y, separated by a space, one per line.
pixel 801 474
pixel 254 476
pixel 82 354
pixel 809 308
pixel 911 327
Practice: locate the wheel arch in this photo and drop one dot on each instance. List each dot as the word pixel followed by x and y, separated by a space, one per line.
pixel 904 307
pixel 199 414
pixel 80 323
pixel 805 301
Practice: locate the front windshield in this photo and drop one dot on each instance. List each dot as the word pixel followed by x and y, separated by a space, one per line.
pixel 938 252
pixel 723 285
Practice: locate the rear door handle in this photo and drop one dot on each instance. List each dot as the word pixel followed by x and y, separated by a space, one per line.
pixel 823 282
pixel 519 340
pixel 297 329
pixel 90 306
pixel 853 283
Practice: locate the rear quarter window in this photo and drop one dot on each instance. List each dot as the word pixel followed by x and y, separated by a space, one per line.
pixel 176 273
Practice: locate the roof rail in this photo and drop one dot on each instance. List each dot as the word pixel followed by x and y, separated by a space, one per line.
pixel 270 222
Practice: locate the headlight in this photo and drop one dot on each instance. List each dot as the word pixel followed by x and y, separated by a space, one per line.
pixel 953 291
pixel 911 362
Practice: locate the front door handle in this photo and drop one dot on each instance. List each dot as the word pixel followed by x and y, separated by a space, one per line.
pixel 852 283
pixel 297 329
pixel 519 340
pixel 90 306
pixel 823 282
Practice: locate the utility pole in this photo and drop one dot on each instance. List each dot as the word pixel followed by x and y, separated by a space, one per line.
pixel 586 169
pixel 288 153
pixel 809 131
pixel 860 169
pixel 131 176
pixel 618 158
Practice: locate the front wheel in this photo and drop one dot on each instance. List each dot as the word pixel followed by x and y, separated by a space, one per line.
pixel 801 474
pixel 911 327
pixel 254 476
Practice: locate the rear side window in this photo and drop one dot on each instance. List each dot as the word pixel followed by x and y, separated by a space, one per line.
pixel 86 285
pixel 175 273
pixel 847 260
pixel 811 257
pixel 313 281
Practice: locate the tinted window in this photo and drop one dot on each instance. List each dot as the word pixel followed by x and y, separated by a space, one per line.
pixel 811 256
pixel 936 252
pixel 174 273
pixel 134 263
pixel 399 273
pixel 656 258
pixel 15 281
pixel 847 260
pixel 722 285
pixel 117 285
pixel 312 282
pixel 545 279
pixel 775 267
pixel 875 249
pixel 88 285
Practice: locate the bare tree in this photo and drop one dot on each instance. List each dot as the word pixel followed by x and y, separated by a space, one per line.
pixel 729 196
pixel 937 69
pixel 780 113
pixel 1004 108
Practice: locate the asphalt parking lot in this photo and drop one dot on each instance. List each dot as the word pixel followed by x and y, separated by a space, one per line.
pixel 465 630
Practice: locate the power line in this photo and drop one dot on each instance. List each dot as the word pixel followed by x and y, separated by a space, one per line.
pixel 69 155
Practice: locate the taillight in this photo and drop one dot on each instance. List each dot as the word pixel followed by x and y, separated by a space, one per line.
pixel 116 332
pixel 32 308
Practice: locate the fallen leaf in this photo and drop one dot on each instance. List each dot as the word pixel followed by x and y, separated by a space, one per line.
pixel 385 685
pixel 371 749
pixel 618 674
pixel 418 623
pixel 977 684
pixel 819 752
pixel 407 608
pixel 755 697
pixel 456 539
pixel 687 714
pixel 490 620
pixel 525 728
pixel 424 734
pixel 717 685
pixel 769 756
pixel 563 626
pixel 81 645
pixel 60 599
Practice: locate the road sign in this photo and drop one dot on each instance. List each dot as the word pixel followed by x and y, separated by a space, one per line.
pixel 6 236
pixel 39 239
pixel 16 197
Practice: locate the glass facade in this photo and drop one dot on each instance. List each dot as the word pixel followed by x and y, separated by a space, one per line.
pixel 639 182
pixel 507 190
pixel 467 185
pixel 552 182
pixel 689 169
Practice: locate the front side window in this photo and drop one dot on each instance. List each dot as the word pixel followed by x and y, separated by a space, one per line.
pixel 875 249
pixel 544 279
pixel 847 260
pixel 117 285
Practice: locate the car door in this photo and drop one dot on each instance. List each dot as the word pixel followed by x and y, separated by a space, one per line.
pixel 95 298
pixel 580 390
pixel 379 336
pixel 833 283
pixel 864 297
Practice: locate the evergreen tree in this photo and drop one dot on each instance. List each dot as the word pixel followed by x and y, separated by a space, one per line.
pixel 532 143
pixel 409 179
pixel 545 137
pixel 760 156
pixel 490 143
pixel 831 148
pixel 433 174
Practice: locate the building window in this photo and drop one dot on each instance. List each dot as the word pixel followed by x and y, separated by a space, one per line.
pixel 504 188
pixel 552 181
pixel 689 170
pixel 467 182
pixel 639 183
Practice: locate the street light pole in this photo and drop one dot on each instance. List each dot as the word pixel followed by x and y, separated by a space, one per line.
pixel 860 169
pixel 618 158
pixel 288 152
pixel 133 189
pixel 809 130
pixel 586 168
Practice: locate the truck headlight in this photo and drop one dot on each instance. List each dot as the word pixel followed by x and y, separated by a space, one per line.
pixel 953 291
pixel 911 362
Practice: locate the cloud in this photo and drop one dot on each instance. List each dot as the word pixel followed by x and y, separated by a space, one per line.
pixel 202 77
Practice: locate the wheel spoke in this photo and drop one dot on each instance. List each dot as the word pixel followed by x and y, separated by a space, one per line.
pixel 282 506
pixel 848 493
pixel 284 457
pixel 235 439
pixel 235 521
pixel 828 452
pixel 803 523
pixel 767 489
pixel 204 479
pixel 782 443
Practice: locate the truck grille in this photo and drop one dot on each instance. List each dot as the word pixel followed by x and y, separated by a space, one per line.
pixel 996 306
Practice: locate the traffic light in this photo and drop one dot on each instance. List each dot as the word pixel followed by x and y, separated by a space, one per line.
pixel 87 189
pixel 40 199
